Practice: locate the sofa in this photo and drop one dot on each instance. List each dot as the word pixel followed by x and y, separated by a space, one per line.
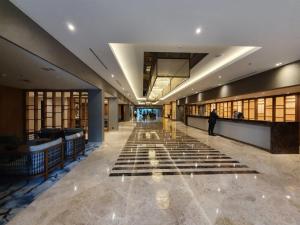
pixel 39 156
pixel 74 144
pixel 36 161
pixel 9 142
pixel 73 138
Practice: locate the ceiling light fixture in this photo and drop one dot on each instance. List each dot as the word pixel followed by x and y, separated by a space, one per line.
pixel 198 30
pixel 71 27
pixel 279 64
pixel 112 75
pixel 220 77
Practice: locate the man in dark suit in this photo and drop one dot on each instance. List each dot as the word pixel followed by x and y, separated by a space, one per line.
pixel 212 122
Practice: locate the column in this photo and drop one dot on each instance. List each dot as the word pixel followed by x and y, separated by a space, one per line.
pixel 127 112
pixel 113 114
pixel 95 116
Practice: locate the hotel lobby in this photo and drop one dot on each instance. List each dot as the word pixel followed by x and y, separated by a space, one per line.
pixel 149 113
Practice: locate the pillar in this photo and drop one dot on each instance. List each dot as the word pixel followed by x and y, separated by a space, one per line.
pixel 96 116
pixel 113 114
pixel 127 112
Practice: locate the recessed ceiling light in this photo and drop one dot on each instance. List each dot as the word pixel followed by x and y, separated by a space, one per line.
pixel 112 75
pixel 279 64
pixel 220 77
pixel 71 27
pixel 198 30
pixel 123 89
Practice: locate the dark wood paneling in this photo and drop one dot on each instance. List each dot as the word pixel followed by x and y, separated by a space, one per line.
pixel 285 138
pixel 11 111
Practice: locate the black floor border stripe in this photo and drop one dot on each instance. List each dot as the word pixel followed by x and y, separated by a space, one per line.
pixel 165 173
pixel 171 154
pixel 175 162
pixel 168 158
pixel 163 148
pixel 171 151
pixel 179 167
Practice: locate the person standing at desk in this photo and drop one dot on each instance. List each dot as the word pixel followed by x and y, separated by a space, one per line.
pixel 212 122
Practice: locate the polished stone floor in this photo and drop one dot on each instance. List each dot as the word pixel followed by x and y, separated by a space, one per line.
pixel 167 173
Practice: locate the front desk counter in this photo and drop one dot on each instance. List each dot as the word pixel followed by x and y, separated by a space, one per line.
pixel 274 137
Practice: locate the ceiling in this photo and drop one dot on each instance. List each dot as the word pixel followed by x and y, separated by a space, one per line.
pixel 120 31
pixel 21 69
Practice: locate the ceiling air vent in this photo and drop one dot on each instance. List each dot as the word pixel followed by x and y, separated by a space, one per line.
pixel 118 82
pixel 98 58
pixel 48 69
pixel 25 81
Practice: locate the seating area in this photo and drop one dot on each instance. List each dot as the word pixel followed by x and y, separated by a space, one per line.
pixel 49 149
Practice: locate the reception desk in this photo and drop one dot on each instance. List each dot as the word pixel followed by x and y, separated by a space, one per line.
pixel 274 137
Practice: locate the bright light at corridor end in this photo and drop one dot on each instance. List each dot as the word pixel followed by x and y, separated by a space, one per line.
pixel 226 61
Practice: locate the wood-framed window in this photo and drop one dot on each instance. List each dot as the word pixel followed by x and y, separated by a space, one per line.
pixel 55 109
pixel 279 109
pixel 269 109
pixel 290 108
pixel 246 109
pixel 273 108
pixel 260 109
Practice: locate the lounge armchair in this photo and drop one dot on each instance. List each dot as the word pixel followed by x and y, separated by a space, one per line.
pixel 38 160
pixel 74 144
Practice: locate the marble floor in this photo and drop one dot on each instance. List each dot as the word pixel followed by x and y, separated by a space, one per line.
pixel 167 173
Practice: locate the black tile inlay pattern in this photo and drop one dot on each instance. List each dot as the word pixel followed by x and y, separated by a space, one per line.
pixel 154 150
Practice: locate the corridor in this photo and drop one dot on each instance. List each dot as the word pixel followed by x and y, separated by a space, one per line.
pixel 213 181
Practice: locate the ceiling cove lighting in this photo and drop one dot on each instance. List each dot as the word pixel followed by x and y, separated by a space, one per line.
pixel 239 53
pixel 71 27
pixel 121 59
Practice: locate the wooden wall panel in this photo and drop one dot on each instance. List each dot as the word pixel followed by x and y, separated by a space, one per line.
pixel 11 111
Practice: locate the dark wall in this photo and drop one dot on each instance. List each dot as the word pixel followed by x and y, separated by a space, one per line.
pixel 285 76
pixel 11 111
